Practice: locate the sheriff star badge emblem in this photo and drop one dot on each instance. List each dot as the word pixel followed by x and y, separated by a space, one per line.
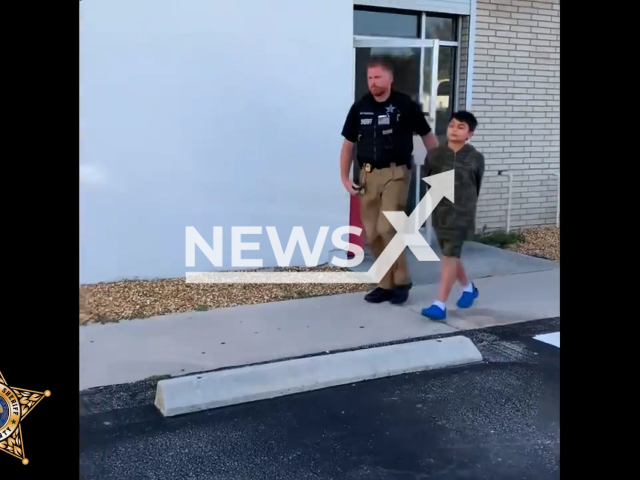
pixel 15 405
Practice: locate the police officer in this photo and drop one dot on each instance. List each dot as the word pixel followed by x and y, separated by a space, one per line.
pixel 382 124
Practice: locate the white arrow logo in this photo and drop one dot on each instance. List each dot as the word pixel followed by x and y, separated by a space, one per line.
pixel 442 185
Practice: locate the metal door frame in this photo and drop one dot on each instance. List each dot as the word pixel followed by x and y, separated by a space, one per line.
pixel 423 44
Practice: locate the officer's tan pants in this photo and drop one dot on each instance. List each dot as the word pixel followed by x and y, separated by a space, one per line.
pixel 384 190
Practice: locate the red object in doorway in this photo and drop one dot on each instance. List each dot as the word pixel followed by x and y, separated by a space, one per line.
pixel 354 221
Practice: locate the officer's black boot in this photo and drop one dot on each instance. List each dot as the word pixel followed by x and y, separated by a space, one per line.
pixel 379 295
pixel 400 294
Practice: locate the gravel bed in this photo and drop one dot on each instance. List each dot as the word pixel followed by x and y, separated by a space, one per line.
pixel 130 299
pixel 543 242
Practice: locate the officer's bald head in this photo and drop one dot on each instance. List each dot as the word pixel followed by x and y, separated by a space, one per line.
pixel 379 76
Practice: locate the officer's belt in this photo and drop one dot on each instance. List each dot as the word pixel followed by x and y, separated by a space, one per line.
pixel 367 167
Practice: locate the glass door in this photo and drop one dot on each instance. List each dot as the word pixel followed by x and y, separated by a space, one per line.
pixel 415 64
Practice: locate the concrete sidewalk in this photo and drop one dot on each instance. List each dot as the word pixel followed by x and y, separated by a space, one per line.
pixel 199 341
pixel 480 261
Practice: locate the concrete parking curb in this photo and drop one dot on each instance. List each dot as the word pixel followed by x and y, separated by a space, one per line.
pixel 193 393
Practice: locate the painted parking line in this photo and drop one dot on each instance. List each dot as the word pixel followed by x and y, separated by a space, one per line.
pixel 550 338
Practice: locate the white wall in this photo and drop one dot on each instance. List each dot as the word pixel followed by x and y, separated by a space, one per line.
pixel 204 113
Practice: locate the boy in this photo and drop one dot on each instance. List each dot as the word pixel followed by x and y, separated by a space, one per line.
pixel 453 223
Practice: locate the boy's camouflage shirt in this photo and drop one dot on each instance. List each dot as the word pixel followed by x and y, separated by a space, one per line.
pixel 456 221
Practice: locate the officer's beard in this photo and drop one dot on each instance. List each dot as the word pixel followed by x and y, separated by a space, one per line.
pixel 378 91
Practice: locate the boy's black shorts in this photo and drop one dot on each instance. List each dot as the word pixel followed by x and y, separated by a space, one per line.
pixel 450 247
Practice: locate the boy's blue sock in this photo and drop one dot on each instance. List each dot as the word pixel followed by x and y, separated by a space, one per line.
pixel 469 294
pixel 437 311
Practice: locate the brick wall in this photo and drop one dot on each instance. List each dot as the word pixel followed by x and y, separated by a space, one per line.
pixel 516 97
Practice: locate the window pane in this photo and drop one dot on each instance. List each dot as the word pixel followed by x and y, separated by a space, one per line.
pixel 446 82
pixel 425 99
pixel 384 24
pixel 440 28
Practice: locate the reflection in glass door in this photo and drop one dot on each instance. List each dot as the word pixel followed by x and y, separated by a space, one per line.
pixel 415 74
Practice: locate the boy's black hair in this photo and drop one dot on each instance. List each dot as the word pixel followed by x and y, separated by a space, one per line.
pixel 466 117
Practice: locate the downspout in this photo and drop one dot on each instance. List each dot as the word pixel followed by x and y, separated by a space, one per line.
pixel 456 98
pixel 510 175
pixel 471 54
pixel 557 174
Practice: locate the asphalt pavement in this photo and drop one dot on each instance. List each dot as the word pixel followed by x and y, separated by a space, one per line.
pixel 496 420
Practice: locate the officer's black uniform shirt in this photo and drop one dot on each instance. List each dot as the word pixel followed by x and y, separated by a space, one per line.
pixel 384 131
